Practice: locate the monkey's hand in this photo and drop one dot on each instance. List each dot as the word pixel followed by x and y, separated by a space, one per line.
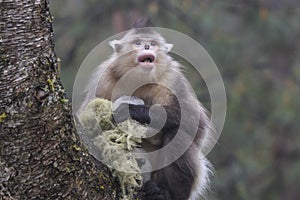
pixel 125 111
pixel 164 119
pixel 153 192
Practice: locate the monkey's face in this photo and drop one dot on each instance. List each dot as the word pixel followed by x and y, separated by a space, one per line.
pixel 144 54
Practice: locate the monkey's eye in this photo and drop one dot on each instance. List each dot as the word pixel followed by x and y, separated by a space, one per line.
pixel 138 42
pixel 153 43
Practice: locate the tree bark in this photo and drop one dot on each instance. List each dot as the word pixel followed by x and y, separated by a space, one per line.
pixel 41 155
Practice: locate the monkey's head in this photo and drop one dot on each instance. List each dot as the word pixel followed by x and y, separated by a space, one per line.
pixel 143 51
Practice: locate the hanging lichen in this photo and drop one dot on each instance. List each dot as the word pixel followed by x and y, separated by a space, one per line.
pixel 114 142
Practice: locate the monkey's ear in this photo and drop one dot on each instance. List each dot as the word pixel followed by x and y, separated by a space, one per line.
pixel 169 47
pixel 116 45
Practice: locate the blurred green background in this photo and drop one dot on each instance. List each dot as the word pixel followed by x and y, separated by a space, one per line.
pixel 255 44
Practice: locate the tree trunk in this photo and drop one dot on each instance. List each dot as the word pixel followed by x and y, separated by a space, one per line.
pixel 41 154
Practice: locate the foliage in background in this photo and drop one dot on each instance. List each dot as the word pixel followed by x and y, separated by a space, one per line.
pixel 256 46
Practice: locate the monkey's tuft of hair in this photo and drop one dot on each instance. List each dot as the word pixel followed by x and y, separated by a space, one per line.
pixel 143 22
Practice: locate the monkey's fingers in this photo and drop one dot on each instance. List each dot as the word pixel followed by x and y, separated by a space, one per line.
pixel 121 113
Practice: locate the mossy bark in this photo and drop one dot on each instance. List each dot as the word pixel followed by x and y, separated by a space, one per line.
pixel 41 155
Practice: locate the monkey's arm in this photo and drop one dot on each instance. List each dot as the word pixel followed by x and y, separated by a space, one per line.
pixel 176 181
pixel 142 114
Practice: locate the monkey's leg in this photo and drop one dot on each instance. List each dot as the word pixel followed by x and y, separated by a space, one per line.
pixel 174 182
pixel 179 177
pixel 154 192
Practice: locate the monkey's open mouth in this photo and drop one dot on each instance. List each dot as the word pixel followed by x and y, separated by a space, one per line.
pixel 149 58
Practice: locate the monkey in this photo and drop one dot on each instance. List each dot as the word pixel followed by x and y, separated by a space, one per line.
pixel 142 56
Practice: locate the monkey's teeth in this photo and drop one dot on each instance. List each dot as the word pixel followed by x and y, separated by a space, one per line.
pixel 146 58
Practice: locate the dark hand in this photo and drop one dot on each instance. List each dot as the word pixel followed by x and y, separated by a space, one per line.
pixel 125 111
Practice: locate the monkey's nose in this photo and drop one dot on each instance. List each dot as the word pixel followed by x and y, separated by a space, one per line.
pixel 147 46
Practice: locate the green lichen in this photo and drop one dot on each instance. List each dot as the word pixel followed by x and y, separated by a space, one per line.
pixel 115 142
pixel 51 84
pixel 29 105
pixel 68 170
pixel 98 113
pixel 77 148
pixel 64 100
pixel 2 117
